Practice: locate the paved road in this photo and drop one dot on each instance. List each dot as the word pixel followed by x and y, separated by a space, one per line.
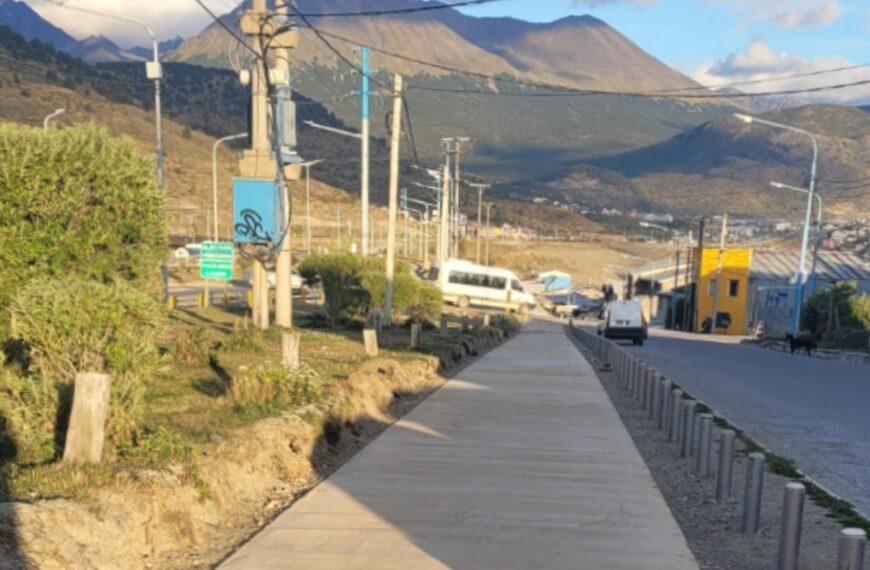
pixel 814 411
pixel 519 462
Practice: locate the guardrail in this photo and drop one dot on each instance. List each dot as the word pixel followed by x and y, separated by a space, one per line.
pixel 675 415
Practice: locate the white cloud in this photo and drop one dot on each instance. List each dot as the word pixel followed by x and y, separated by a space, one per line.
pixel 168 18
pixel 787 14
pixel 758 62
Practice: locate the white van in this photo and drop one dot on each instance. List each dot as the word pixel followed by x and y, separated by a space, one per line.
pixel 624 320
pixel 464 283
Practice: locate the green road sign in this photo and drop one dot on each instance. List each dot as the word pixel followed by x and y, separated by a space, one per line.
pixel 216 261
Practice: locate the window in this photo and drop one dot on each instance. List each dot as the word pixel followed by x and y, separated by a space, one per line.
pixel 733 288
pixel 711 288
pixel 516 285
pixel 498 283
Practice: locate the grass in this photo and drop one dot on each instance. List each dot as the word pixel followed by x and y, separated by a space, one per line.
pixel 189 403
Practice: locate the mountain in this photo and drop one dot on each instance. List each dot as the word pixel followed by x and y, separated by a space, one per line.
pixel 164 47
pixel 27 22
pixel 24 20
pixel 726 165
pixel 521 131
pixel 100 49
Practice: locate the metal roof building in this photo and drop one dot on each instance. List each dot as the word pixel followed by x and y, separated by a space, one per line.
pixel 832 266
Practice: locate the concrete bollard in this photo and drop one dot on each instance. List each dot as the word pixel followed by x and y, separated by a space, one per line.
pixel 652 394
pixel 752 493
pixel 442 328
pixel 644 385
pixel 656 411
pixel 790 526
pixel 416 333
pixel 725 468
pixel 689 407
pixel 370 340
pixel 636 378
pixel 487 320
pixel 676 407
pixel 664 403
pixel 290 350
pixel 705 445
pixel 850 549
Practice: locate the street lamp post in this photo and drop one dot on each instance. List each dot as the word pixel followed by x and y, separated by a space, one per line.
pixel 48 118
pixel 214 177
pixel 799 281
pixel 812 280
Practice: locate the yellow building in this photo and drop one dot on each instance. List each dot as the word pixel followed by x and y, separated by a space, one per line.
pixel 732 292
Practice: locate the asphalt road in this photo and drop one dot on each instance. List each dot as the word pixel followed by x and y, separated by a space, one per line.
pixel 814 411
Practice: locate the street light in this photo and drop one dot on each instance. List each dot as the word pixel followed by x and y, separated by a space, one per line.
pixel 364 172
pixel 214 177
pixel 818 229
pixel 307 166
pixel 50 117
pixel 799 281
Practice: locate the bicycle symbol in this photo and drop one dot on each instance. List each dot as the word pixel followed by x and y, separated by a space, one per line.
pixel 251 226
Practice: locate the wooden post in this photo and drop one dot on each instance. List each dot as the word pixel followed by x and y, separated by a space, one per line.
pixel 290 350
pixel 370 339
pixel 416 333
pixel 87 422
pixel 486 320
pixel 442 330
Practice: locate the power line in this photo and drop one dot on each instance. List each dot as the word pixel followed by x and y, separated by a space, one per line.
pixel 560 90
pixel 428 8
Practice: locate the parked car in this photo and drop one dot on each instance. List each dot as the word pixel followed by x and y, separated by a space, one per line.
pixel 465 283
pixel 624 320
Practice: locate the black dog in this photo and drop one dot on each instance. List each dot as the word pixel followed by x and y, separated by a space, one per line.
pixel 801 342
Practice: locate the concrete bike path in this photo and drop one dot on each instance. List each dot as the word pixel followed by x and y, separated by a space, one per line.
pixel 518 462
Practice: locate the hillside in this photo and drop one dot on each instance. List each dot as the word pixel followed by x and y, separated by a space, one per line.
pixel 726 165
pixel 522 131
pixel 37 79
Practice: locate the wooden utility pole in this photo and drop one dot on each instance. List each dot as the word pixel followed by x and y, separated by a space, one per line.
pixel 718 285
pixel 480 189
pixel 395 133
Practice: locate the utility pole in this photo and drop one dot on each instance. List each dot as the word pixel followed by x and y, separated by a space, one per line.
pixel 673 291
pixel 480 189
pixel 698 269
pixel 337 230
pixel 443 223
pixel 395 132
pixel 687 294
pixel 718 286
pixel 488 231
pixel 285 135
pixel 364 159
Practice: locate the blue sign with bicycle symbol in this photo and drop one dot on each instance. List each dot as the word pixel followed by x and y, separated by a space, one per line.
pixel 256 210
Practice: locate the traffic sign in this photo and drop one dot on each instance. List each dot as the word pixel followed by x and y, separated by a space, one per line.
pixel 216 260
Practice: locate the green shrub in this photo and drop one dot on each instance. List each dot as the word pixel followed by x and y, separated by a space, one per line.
pixel 77 325
pixel 838 315
pixel 29 411
pixel 245 341
pixel 341 278
pixel 275 387
pixel 352 282
pixel 76 202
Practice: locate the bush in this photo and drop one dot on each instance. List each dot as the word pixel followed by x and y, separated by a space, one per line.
pixel 77 325
pixel 189 346
pixel 29 409
pixel 341 279
pixel 76 202
pixel 275 387
pixel 838 315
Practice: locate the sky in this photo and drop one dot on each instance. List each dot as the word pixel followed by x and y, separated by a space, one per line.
pixel 713 41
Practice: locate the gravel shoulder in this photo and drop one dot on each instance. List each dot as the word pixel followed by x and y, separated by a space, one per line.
pixel 713 530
